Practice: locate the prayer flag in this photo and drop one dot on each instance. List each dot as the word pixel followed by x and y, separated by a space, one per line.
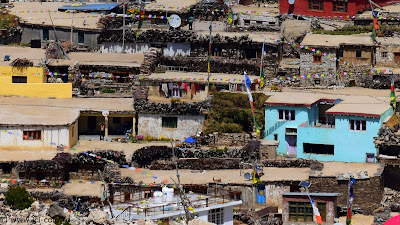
pixel 209 49
pixel 262 76
pixel 256 175
pixel 317 216
pixel 392 93
pixel 141 17
pixel 350 200
pixel 248 84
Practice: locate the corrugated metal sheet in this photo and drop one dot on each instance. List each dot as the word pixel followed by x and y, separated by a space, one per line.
pixel 89 7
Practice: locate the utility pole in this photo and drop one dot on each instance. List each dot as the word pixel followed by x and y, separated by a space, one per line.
pixel 181 191
pixel 123 29
pixel 72 26
pixel 209 60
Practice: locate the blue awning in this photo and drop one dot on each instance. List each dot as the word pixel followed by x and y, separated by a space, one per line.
pixel 89 7
pixel 190 140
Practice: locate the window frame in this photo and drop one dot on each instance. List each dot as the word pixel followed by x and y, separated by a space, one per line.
pixel 307 212
pixel 317 59
pixel 313 4
pixel 212 216
pixel 19 79
pixel 358 125
pixel 358 54
pixel 286 115
pixel 36 135
pixel 46 35
pixel 81 37
pixel 336 5
pixel 169 124
pixel 384 54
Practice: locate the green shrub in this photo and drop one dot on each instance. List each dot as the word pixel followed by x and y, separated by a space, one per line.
pixel 175 100
pixel 231 113
pixel 18 197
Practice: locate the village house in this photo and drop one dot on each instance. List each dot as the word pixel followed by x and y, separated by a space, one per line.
pixel 387 15
pixel 40 26
pixel 388 52
pixel 35 127
pixel 298 210
pixel 29 80
pixel 117 114
pixel 320 52
pixel 327 8
pixel 368 188
pixel 325 127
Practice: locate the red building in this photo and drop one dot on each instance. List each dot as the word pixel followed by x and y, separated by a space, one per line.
pixel 327 8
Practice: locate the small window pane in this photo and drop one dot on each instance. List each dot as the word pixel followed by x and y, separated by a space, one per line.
pixel 281 114
pixel 292 115
pixel 286 115
pixel 364 125
pixel 351 124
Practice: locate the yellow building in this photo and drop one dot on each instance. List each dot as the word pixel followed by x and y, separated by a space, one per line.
pixel 31 82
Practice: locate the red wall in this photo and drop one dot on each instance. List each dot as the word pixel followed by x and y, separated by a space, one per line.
pixel 300 7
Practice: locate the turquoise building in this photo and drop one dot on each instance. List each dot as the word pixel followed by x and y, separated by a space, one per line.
pixel 325 128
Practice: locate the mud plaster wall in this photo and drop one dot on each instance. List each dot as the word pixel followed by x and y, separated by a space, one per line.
pixel 368 193
pixel 151 125
pixel 330 209
pixel 307 66
pixel 387 61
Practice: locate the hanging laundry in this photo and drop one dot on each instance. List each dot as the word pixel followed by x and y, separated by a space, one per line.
pixel 164 88
pixel 192 90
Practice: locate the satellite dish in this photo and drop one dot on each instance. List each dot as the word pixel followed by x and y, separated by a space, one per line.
pixel 105 113
pixel 291 2
pixel 174 21
pixel 247 176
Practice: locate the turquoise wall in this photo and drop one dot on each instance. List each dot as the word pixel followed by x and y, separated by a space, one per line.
pixel 275 126
pixel 350 146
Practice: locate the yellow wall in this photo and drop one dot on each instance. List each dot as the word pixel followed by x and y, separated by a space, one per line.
pixel 34 74
pixel 45 90
pixel 36 85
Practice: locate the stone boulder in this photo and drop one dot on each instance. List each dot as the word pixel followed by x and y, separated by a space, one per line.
pixel 56 210
pixel 98 216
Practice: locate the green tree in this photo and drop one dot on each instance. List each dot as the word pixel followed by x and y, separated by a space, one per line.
pixel 18 197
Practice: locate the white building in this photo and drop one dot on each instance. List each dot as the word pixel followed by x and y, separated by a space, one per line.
pixel 37 127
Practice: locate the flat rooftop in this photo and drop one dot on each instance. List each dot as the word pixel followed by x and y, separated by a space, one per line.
pixel 254 36
pixel 355 101
pixel 37 115
pixel 38 14
pixel 101 59
pixel 271 174
pixel 333 169
pixel 197 77
pixel 82 104
pixel 334 41
pixel 264 10
pixel 32 54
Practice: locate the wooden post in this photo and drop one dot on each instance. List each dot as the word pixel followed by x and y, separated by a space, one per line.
pixel 133 125
pixel 106 128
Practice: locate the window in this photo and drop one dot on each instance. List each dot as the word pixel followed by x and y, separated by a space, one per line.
pixel 358 125
pixel 339 5
pixel 72 130
pixel 340 53
pixel 81 37
pixel 370 158
pixel 117 120
pixel 170 122
pixel 317 59
pixel 303 211
pixel 319 149
pixel 286 114
pixel 46 35
pixel 216 216
pixel 275 137
pixel 358 54
pixel 316 5
pixel 384 54
pixel 32 135
pixel 19 79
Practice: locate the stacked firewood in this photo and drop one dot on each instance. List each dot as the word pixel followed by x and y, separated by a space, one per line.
pixel 178 36
pixel 150 61
pixel 21 62
pixel 39 165
pixel 197 164
pixel 173 108
pixel 81 158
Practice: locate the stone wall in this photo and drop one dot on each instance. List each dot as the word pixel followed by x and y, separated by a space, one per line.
pixel 327 65
pixel 388 61
pixel 187 125
pixel 368 193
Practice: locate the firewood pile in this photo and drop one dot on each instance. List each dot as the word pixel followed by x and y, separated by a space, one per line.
pixel 228 158
pixel 179 36
pixel 252 218
pixel 127 180
pixel 21 62
pixel 116 156
pixel 39 165
pixel 297 163
pixel 197 164
pixel 151 58
pixel 387 136
pixel 203 12
pixel 391 198
pixel 112 173
pixel 114 22
pixel 218 65
pixel 173 108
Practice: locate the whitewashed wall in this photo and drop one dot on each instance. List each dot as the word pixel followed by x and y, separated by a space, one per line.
pixel 172 49
pixel 151 125
pixel 58 135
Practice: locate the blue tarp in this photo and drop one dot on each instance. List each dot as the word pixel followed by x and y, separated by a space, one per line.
pixel 190 140
pixel 90 7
